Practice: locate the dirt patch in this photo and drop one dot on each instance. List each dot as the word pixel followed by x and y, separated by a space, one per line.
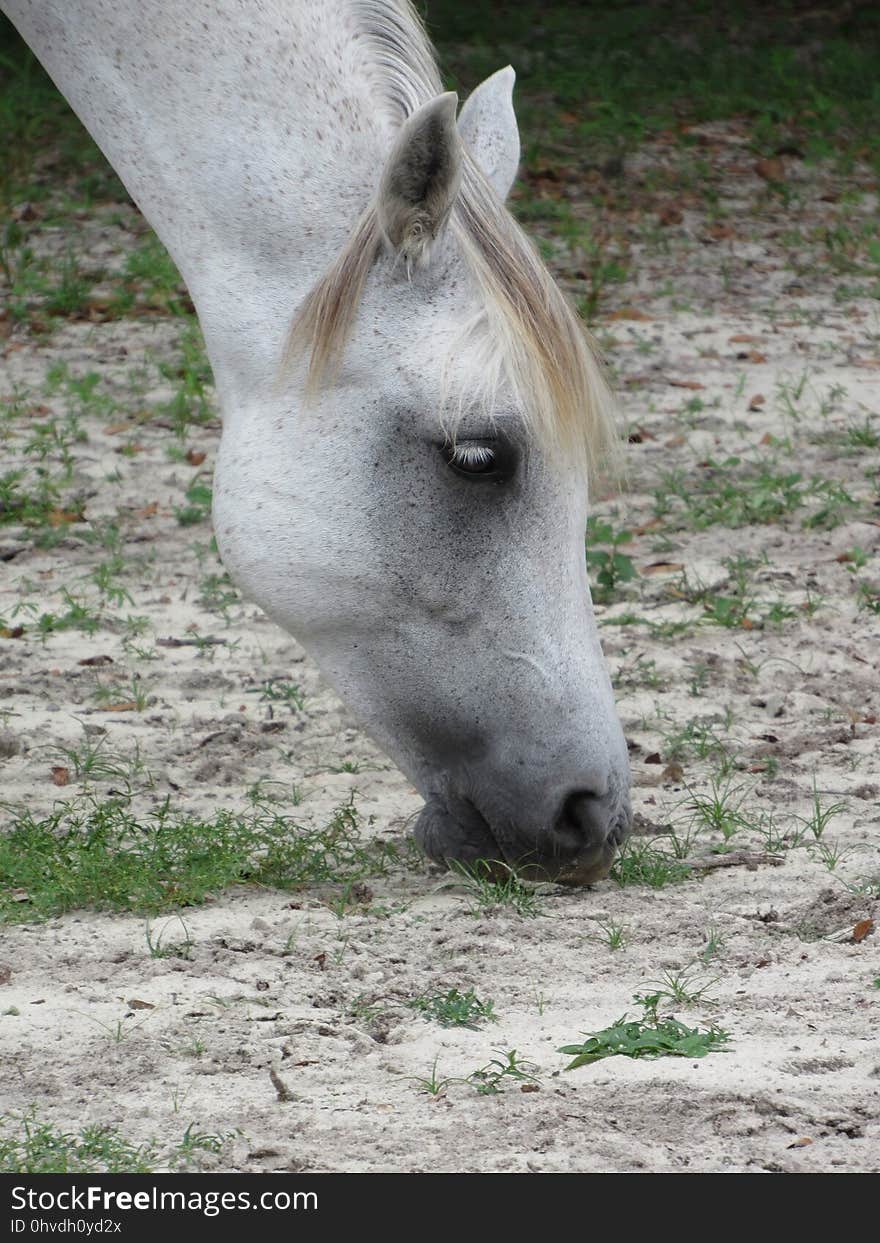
pixel 744 652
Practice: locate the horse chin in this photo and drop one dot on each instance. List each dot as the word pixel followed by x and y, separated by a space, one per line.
pixel 465 839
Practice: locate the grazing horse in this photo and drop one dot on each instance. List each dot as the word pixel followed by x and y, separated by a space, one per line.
pixel 410 406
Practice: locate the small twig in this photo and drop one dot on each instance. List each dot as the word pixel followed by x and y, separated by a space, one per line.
pixel 207 641
pixel 282 1091
pixel 735 858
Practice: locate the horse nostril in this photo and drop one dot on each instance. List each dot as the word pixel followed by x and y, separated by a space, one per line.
pixel 585 817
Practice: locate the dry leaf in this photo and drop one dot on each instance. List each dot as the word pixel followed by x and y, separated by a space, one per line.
pixel 60 517
pixel 672 773
pixel 770 170
pixel 628 312
pixel 95 660
pixel 694 384
pixel 670 215
pixel 663 567
pixel 128 705
pixel 148 511
pixel 757 401
pixel 195 457
pixel 135 1004
pixel 863 929
pixel 648 526
pixel 803 1142
pixel 60 775
pixel 743 338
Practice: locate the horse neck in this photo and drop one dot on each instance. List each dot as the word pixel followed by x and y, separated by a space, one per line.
pixel 250 135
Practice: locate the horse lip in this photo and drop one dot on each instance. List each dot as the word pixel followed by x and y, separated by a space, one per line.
pixel 464 837
pixel 449 837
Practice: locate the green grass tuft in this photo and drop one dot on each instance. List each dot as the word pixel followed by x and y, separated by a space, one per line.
pixel 645 1038
pixel 101 855
pixel 454 1009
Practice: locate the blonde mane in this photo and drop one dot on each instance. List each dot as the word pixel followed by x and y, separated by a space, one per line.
pixel 531 336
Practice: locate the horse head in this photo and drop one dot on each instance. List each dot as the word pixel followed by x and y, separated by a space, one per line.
pixel 415 512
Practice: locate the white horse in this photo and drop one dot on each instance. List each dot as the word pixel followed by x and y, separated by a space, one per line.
pixel 401 480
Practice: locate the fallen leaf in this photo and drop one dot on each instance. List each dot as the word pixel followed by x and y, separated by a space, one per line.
pixel 770 170
pixel 653 758
pixel 743 338
pixel 128 705
pixel 195 457
pixel 757 401
pixel 628 312
pixel 670 215
pixel 663 567
pixel 530 1087
pixel 95 660
pixel 60 775
pixel 672 773
pixel 61 517
pixel 719 232
pixel 863 929
pixel 25 211
pixel 135 1004
pixel 694 384
pixel 651 525
pixel 803 1142
pixel 148 511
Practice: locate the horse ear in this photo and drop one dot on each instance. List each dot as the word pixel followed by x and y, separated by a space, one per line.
pixel 421 179
pixel 488 126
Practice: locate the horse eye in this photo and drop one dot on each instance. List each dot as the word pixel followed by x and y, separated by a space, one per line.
pixel 471 457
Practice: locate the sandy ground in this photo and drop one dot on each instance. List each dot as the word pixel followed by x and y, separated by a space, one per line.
pixel 287 989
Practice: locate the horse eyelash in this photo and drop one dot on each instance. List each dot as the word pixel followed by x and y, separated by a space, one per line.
pixel 472 455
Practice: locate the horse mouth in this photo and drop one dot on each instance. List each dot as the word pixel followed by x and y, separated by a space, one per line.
pixel 463 837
